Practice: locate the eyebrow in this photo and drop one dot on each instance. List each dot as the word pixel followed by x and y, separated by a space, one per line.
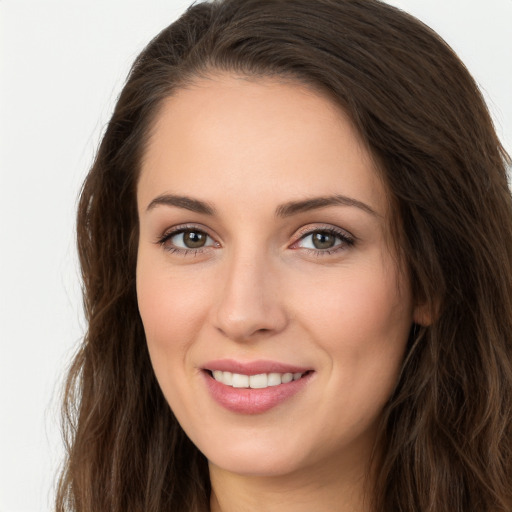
pixel 295 207
pixel 194 205
pixel 284 210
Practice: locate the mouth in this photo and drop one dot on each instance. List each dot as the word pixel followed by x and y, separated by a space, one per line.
pixel 254 387
pixel 257 381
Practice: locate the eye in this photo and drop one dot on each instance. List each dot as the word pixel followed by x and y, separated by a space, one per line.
pixel 186 239
pixel 190 239
pixel 325 240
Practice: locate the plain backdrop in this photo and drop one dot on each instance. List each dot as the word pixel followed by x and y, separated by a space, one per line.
pixel 62 65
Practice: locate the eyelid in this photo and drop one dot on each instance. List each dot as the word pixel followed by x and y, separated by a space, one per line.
pixel 312 228
pixel 347 239
pixel 181 228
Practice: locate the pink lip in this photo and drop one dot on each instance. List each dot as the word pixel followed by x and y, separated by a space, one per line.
pixel 253 367
pixel 253 401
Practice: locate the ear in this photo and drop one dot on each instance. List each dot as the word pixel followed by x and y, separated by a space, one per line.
pixel 423 314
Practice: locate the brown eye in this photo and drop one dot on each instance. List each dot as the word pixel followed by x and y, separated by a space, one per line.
pixel 323 240
pixel 194 239
pixel 187 239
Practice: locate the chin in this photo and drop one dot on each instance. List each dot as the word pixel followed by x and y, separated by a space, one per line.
pixel 251 455
pixel 257 465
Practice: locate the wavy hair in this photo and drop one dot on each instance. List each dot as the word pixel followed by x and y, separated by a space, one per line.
pixel 446 432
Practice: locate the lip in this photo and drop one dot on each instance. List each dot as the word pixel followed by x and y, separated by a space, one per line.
pixel 248 400
pixel 253 367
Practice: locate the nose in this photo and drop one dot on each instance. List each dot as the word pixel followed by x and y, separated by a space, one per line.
pixel 250 304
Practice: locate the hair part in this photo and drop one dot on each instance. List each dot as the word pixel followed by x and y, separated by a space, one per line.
pixel 447 430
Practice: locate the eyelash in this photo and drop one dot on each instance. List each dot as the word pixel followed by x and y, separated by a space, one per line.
pixel 179 250
pixel 346 239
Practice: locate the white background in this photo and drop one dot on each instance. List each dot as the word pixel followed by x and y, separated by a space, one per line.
pixel 62 64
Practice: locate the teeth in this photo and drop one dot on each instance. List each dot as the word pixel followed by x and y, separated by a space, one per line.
pixel 260 381
pixel 274 379
pixel 240 381
pixel 287 377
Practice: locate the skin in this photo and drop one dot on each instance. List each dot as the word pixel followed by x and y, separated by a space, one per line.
pixel 260 289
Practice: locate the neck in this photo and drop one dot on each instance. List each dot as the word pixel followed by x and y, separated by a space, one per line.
pixel 326 489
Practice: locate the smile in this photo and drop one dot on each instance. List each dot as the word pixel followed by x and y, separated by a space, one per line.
pixel 259 381
pixel 254 387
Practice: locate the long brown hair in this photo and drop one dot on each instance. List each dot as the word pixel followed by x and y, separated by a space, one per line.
pixel 447 430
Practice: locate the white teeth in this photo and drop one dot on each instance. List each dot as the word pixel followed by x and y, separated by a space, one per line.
pixel 274 379
pixel 240 381
pixel 287 377
pixel 260 381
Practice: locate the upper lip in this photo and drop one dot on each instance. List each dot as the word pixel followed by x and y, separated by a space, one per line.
pixel 253 367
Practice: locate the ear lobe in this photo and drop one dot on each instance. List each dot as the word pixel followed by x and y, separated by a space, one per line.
pixel 423 315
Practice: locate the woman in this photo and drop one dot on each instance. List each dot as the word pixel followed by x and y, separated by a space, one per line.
pixel 296 247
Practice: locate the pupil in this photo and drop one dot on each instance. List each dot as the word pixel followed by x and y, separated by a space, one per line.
pixel 194 239
pixel 323 240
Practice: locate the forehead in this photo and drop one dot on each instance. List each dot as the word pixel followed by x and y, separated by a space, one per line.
pixel 265 140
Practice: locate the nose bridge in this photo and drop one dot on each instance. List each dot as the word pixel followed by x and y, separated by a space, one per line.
pixel 249 302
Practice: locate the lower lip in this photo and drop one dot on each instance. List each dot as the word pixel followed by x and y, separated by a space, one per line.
pixel 253 401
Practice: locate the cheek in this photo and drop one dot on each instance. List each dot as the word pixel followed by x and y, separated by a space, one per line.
pixel 370 306
pixel 361 322
pixel 173 311
pixel 171 298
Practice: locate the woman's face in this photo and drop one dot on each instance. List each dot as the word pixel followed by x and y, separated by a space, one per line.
pixel 264 256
